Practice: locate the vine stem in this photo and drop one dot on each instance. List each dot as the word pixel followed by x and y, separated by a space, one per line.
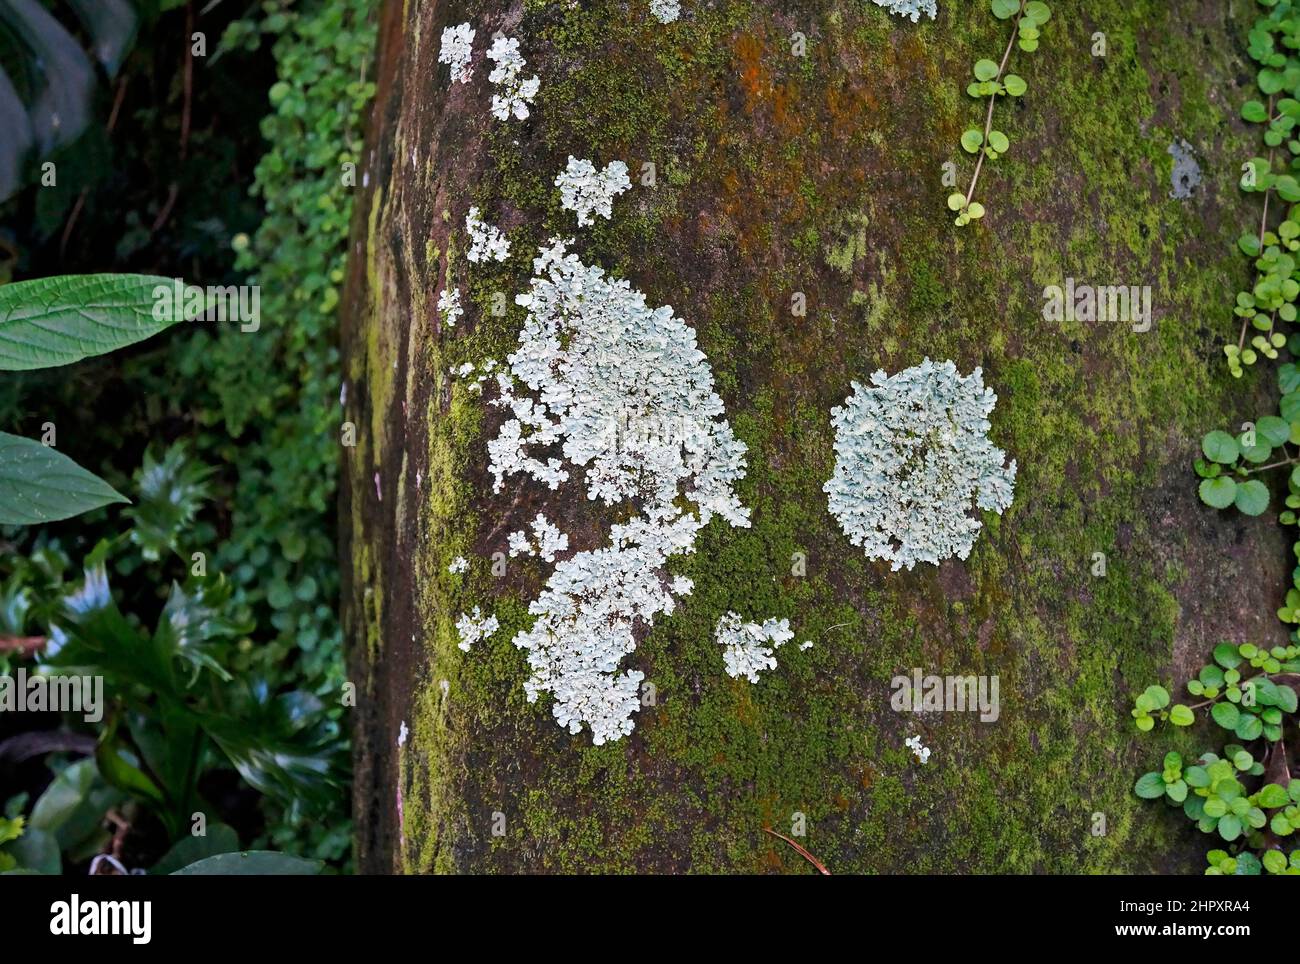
pixel 1271 465
pixel 1197 706
pixel 993 99
pixel 1263 228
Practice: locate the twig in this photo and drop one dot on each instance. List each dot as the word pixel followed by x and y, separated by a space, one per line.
pixel 81 198
pixel 27 645
pixel 803 853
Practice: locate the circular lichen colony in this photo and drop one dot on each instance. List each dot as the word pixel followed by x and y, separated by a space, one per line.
pixel 912 452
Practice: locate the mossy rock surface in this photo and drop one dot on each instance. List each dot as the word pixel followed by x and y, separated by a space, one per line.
pixel 820 174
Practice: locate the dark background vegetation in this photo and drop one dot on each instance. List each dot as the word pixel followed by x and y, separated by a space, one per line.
pixel 223 169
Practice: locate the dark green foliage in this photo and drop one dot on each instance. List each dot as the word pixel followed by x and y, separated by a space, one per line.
pixel 174 711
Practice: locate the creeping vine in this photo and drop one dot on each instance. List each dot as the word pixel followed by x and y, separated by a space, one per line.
pixel 992 81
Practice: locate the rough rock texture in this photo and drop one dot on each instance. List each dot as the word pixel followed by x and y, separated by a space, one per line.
pixel 820 174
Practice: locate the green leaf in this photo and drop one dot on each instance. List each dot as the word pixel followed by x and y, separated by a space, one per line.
pixel 1249 727
pixel 1158 695
pixel 56 321
pixel 1221 447
pixel 1150 786
pixel 259 862
pixel 1251 497
pixel 219 839
pixel 1180 715
pixel 998 141
pixel 985 69
pixel 1177 791
pixel 956 201
pixel 1248 864
pixel 37 851
pixel 1254 111
pixel 1005 9
pixel 1227 656
pixel 1230 827
pixel 1015 85
pixel 1273 795
pixel 1220 492
pixel 1270 81
pixel 1226 715
pixel 172 491
pixel 39 484
pixel 975 210
pixel 1273 430
pixel 1038 12
pixel 1196 777
pixel 1286 699
pixel 1274 861
pixel 972 140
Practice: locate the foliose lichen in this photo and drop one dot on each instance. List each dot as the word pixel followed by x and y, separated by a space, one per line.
pixel 750 648
pixel 516 91
pixel 912 451
pixel 584 189
pixel 912 9
pixel 624 394
pixel 457 50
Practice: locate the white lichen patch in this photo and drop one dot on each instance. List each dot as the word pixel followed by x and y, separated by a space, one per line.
pixel 486 242
pixel 912 9
pixel 546 540
pixel 665 11
pixel 472 627
pixel 919 750
pixel 600 366
pixel 456 51
pixel 516 93
pixel 449 306
pixel 458 565
pixel 912 453
pixel 584 189
pixel 750 648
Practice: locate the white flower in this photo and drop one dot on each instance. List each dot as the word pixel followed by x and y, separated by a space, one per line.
pixel 471 627
pixel 449 305
pixel 457 49
pixel 908 8
pixel 665 11
pixel 911 454
pixel 594 359
pixel 516 93
pixel 921 752
pixel 583 189
pixel 486 243
pixel 806 644
pixel 750 648
pixel 458 565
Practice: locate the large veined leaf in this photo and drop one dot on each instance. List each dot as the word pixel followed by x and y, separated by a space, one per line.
pixel 249 862
pixel 39 484
pixel 47 322
pixel 111 25
pixel 48 102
